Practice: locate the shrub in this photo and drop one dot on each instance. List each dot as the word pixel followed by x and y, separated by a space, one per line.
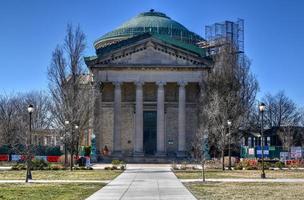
pixel 107 168
pixel 19 166
pixel 295 163
pixel 39 165
pixel 116 162
pixel 122 167
pixel 57 167
pixel 247 164
pixel 238 166
pixel 174 166
pixel 213 164
pixel 183 166
pixel 87 150
pixel 279 165
pixel 79 168
pixel 114 167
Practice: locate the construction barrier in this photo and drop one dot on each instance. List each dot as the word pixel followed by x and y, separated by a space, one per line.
pixel 4 157
pixel 53 158
pixel 41 158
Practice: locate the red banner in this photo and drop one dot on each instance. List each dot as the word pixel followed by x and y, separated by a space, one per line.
pixel 52 158
pixel 4 157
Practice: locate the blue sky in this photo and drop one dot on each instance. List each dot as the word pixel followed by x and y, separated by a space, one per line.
pixel 30 30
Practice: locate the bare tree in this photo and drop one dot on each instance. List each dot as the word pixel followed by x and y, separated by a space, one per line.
pixel 69 88
pixel 200 140
pixel 282 113
pixel 231 91
pixel 14 122
pixel 14 116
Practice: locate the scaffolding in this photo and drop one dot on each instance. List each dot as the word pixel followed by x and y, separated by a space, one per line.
pixel 232 31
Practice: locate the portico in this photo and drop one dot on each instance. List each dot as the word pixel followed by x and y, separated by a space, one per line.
pixel 160 110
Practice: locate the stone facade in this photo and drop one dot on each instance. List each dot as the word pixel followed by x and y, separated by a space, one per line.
pixel 147 101
pixel 128 115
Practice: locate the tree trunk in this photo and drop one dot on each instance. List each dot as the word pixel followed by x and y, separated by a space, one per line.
pixel 229 152
pixel 65 155
pixel 203 171
pixel 77 149
pixel 72 159
pixel 223 160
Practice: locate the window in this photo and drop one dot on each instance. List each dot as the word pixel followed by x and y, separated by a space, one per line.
pixel 268 141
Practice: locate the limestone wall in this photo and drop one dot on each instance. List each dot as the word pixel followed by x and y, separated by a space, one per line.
pixel 128 116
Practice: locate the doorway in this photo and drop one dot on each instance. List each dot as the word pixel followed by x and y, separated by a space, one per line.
pixel 150 132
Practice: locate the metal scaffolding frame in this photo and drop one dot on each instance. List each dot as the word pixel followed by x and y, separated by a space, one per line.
pixel 233 31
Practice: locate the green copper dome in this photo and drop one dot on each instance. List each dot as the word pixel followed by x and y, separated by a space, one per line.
pixel 152 22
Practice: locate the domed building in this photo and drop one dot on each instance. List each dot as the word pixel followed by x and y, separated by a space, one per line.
pixel 147 76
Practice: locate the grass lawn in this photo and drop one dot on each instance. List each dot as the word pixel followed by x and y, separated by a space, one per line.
pixel 35 191
pixel 61 174
pixel 248 191
pixel 195 174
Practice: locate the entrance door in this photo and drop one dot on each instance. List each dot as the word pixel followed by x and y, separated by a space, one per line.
pixel 150 132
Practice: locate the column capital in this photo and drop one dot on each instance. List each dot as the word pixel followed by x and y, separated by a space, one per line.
pixel 182 83
pixel 161 83
pixel 117 83
pixel 139 83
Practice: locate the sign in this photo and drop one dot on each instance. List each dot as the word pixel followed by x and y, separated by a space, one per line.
pixel 283 156
pixel 16 157
pixel 41 158
pixel 272 148
pixel 251 151
pixel 259 151
pixel 296 152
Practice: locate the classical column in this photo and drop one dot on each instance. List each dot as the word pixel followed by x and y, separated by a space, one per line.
pixel 161 151
pixel 96 120
pixel 181 119
pixel 138 144
pixel 117 118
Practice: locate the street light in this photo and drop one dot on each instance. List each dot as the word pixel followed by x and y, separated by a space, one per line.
pixel 229 123
pixel 77 139
pixel 65 141
pixel 262 108
pixel 30 110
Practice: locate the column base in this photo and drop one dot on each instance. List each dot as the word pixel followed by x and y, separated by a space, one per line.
pixel 116 154
pixel 138 154
pixel 161 154
pixel 181 154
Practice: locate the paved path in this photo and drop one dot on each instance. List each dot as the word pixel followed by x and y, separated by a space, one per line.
pixel 246 180
pixel 5 168
pixel 144 183
pixel 55 181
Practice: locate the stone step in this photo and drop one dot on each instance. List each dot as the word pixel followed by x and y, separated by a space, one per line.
pixel 144 159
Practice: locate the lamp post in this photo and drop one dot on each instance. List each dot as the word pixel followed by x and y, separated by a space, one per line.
pixel 229 123
pixel 77 138
pixel 262 107
pixel 30 110
pixel 66 123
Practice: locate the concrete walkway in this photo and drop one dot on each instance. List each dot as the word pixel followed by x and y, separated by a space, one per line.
pixel 144 183
pixel 246 180
pixel 55 181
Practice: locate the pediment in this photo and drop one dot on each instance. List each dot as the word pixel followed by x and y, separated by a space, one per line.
pixel 151 56
pixel 150 51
